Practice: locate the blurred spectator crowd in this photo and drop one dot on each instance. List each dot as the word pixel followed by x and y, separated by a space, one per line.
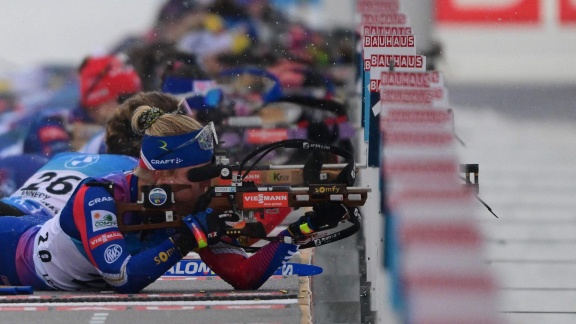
pixel 243 64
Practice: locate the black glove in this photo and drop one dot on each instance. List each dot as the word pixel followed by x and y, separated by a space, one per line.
pixel 323 216
pixel 200 230
pixel 202 202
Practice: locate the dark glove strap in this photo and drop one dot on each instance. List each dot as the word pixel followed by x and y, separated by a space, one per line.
pixel 184 243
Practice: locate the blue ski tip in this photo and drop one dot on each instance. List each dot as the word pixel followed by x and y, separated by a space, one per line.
pixel 298 269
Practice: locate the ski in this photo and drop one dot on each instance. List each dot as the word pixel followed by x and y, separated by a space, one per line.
pixel 195 267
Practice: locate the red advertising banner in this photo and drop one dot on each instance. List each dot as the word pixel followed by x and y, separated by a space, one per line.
pixel 567 11
pixel 504 11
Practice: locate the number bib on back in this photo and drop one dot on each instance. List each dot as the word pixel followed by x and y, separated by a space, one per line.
pixel 48 190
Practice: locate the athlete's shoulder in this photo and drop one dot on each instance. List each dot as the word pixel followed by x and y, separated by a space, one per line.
pixel 91 164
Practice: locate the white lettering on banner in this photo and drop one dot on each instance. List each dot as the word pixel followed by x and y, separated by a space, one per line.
pixel 401 61
pixel 418 138
pixel 252 176
pixel 416 166
pixel 99 240
pixel 368 6
pixel 416 117
pixel 386 30
pixel 412 96
pixel 261 198
pixel 287 269
pixel 410 79
pixel 384 19
pixel 440 195
pixel 189 268
pixel 389 41
pixel 461 234
pixel 99 200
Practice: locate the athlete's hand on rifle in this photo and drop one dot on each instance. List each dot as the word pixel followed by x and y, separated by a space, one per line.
pixel 323 216
pixel 202 202
pixel 201 230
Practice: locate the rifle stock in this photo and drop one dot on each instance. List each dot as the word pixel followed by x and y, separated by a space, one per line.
pixel 256 198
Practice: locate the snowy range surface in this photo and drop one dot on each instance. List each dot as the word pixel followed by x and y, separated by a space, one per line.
pixel 528 177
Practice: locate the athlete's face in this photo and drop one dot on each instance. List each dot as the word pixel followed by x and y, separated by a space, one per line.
pixel 185 198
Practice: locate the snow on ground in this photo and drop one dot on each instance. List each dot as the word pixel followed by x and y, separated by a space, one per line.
pixel 528 177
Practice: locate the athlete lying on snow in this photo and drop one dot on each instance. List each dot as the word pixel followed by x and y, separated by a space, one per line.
pixel 82 246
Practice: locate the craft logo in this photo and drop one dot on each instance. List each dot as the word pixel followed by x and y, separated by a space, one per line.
pixel 265 200
pixel 112 253
pixel 157 196
pixel 102 219
pixel 99 240
pixel 81 161
pixel 99 200
pixel 167 161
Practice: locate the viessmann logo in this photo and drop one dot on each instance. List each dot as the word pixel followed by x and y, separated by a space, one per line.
pixel 266 200
pixel 101 239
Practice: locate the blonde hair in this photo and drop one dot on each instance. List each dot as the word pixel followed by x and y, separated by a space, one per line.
pixel 152 121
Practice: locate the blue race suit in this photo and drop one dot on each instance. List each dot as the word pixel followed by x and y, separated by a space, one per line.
pixel 82 247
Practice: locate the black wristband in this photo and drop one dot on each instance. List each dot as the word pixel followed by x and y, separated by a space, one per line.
pixel 184 243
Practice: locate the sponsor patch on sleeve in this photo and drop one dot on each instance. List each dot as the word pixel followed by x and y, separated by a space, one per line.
pixel 104 238
pixel 103 219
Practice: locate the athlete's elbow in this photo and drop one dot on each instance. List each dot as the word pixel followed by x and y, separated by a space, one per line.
pixel 245 284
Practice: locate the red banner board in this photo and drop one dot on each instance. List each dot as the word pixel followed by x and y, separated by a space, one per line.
pixel 505 11
pixel 567 12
